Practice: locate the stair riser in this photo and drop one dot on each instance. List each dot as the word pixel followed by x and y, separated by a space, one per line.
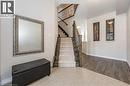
pixel 66 65
pixel 66 57
pixel 66 51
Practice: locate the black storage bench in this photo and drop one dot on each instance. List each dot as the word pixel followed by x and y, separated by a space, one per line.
pixel 26 73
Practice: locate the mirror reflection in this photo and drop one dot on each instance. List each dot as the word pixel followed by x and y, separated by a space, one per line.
pixel 28 35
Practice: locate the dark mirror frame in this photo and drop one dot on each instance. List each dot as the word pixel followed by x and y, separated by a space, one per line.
pixel 16 34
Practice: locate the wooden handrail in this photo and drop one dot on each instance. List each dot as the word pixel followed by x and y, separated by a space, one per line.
pixel 67 18
pixel 57 52
pixel 62 20
pixel 65 8
pixel 76 6
pixel 77 40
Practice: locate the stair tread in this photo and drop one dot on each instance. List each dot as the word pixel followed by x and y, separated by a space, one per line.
pixel 66 50
pixel 66 57
pixel 67 62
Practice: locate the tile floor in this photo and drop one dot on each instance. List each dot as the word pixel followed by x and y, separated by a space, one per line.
pixel 77 77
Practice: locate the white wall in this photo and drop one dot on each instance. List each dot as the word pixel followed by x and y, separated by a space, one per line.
pixel 81 23
pixel 0 50
pixel 81 20
pixel 108 49
pixel 44 10
pixel 128 39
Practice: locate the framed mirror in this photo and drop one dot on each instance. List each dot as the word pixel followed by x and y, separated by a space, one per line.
pixel 110 24
pixel 28 35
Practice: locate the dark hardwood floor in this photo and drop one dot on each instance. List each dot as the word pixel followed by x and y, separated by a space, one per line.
pixel 112 68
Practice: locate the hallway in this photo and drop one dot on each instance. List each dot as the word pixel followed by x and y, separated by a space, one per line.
pixel 65 43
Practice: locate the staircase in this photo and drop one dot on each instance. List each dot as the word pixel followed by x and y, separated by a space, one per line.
pixel 66 57
pixel 65 52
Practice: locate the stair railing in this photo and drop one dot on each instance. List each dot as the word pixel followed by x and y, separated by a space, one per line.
pixel 65 25
pixel 77 42
pixel 57 53
pixel 62 21
pixel 68 12
pixel 64 14
pixel 63 31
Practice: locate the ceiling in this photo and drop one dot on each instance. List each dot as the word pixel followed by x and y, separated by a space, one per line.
pixel 98 7
pixel 93 8
pixel 122 6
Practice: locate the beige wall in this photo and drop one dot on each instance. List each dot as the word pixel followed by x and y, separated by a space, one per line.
pixel 44 10
pixel 116 49
pixel 128 37
pixel 0 50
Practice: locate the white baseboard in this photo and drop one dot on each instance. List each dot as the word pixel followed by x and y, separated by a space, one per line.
pixel 128 63
pixel 51 61
pixel 108 57
pixel 6 81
